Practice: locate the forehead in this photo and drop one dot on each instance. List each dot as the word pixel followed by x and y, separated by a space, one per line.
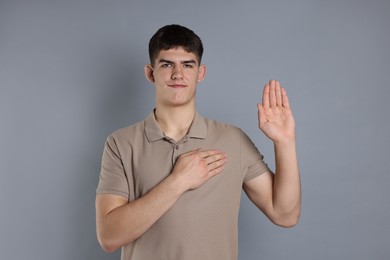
pixel 178 54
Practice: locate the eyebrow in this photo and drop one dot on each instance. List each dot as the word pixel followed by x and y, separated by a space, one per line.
pixel 182 62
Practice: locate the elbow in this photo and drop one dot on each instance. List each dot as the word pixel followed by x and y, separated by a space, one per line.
pixel 108 244
pixel 108 248
pixel 287 220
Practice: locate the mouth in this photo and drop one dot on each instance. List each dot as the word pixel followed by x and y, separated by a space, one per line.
pixel 177 86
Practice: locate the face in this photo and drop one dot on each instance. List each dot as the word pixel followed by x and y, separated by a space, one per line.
pixel 175 74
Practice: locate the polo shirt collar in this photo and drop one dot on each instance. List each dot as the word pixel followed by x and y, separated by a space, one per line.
pixel 153 132
pixel 198 128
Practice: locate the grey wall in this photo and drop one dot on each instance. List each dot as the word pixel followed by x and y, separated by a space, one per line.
pixel 72 72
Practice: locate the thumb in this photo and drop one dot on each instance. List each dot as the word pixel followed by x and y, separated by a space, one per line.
pixel 261 115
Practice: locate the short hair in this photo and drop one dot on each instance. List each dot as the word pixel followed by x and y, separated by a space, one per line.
pixel 174 36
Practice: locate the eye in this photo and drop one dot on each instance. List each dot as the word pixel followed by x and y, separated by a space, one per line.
pixel 188 65
pixel 166 65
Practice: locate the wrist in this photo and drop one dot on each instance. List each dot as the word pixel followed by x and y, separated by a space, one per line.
pixel 285 142
pixel 176 184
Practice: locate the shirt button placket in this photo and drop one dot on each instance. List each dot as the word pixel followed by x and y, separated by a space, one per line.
pixel 176 148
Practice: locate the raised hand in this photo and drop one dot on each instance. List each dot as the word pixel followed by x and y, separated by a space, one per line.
pixel 276 119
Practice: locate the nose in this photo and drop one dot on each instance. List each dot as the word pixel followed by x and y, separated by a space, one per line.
pixel 177 72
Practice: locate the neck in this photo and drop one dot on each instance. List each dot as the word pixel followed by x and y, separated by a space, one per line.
pixel 175 121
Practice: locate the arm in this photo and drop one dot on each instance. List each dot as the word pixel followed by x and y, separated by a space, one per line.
pixel 119 222
pixel 279 195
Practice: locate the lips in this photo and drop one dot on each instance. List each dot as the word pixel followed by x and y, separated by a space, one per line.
pixel 177 86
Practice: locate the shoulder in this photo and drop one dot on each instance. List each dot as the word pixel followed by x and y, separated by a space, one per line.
pixel 225 131
pixel 221 128
pixel 127 133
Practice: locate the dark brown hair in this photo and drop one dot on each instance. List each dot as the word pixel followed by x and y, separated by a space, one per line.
pixel 174 36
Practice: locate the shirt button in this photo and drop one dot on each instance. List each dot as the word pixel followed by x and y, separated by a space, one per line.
pixel 177 147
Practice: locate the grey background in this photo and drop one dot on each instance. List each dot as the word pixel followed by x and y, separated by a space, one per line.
pixel 71 72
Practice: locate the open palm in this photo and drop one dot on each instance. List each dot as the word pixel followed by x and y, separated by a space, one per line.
pixel 276 119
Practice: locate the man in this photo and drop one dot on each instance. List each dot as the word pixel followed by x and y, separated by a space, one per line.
pixel 170 185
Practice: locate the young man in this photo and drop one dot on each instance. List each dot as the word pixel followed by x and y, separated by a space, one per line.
pixel 170 185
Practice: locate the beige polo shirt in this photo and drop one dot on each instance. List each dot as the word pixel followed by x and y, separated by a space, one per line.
pixel 202 224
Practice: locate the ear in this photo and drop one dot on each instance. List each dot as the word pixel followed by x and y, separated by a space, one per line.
pixel 201 72
pixel 149 72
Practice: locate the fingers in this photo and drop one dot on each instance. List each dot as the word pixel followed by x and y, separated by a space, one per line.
pixel 278 93
pixel 196 167
pixel 214 160
pixel 266 96
pixel 274 95
pixel 285 101
pixel 216 170
pixel 208 153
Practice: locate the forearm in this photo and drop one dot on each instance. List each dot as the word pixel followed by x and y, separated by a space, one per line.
pixel 126 223
pixel 287 188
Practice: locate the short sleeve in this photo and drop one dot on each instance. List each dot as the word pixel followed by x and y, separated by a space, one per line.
pixel 252 164
pixel 113 178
